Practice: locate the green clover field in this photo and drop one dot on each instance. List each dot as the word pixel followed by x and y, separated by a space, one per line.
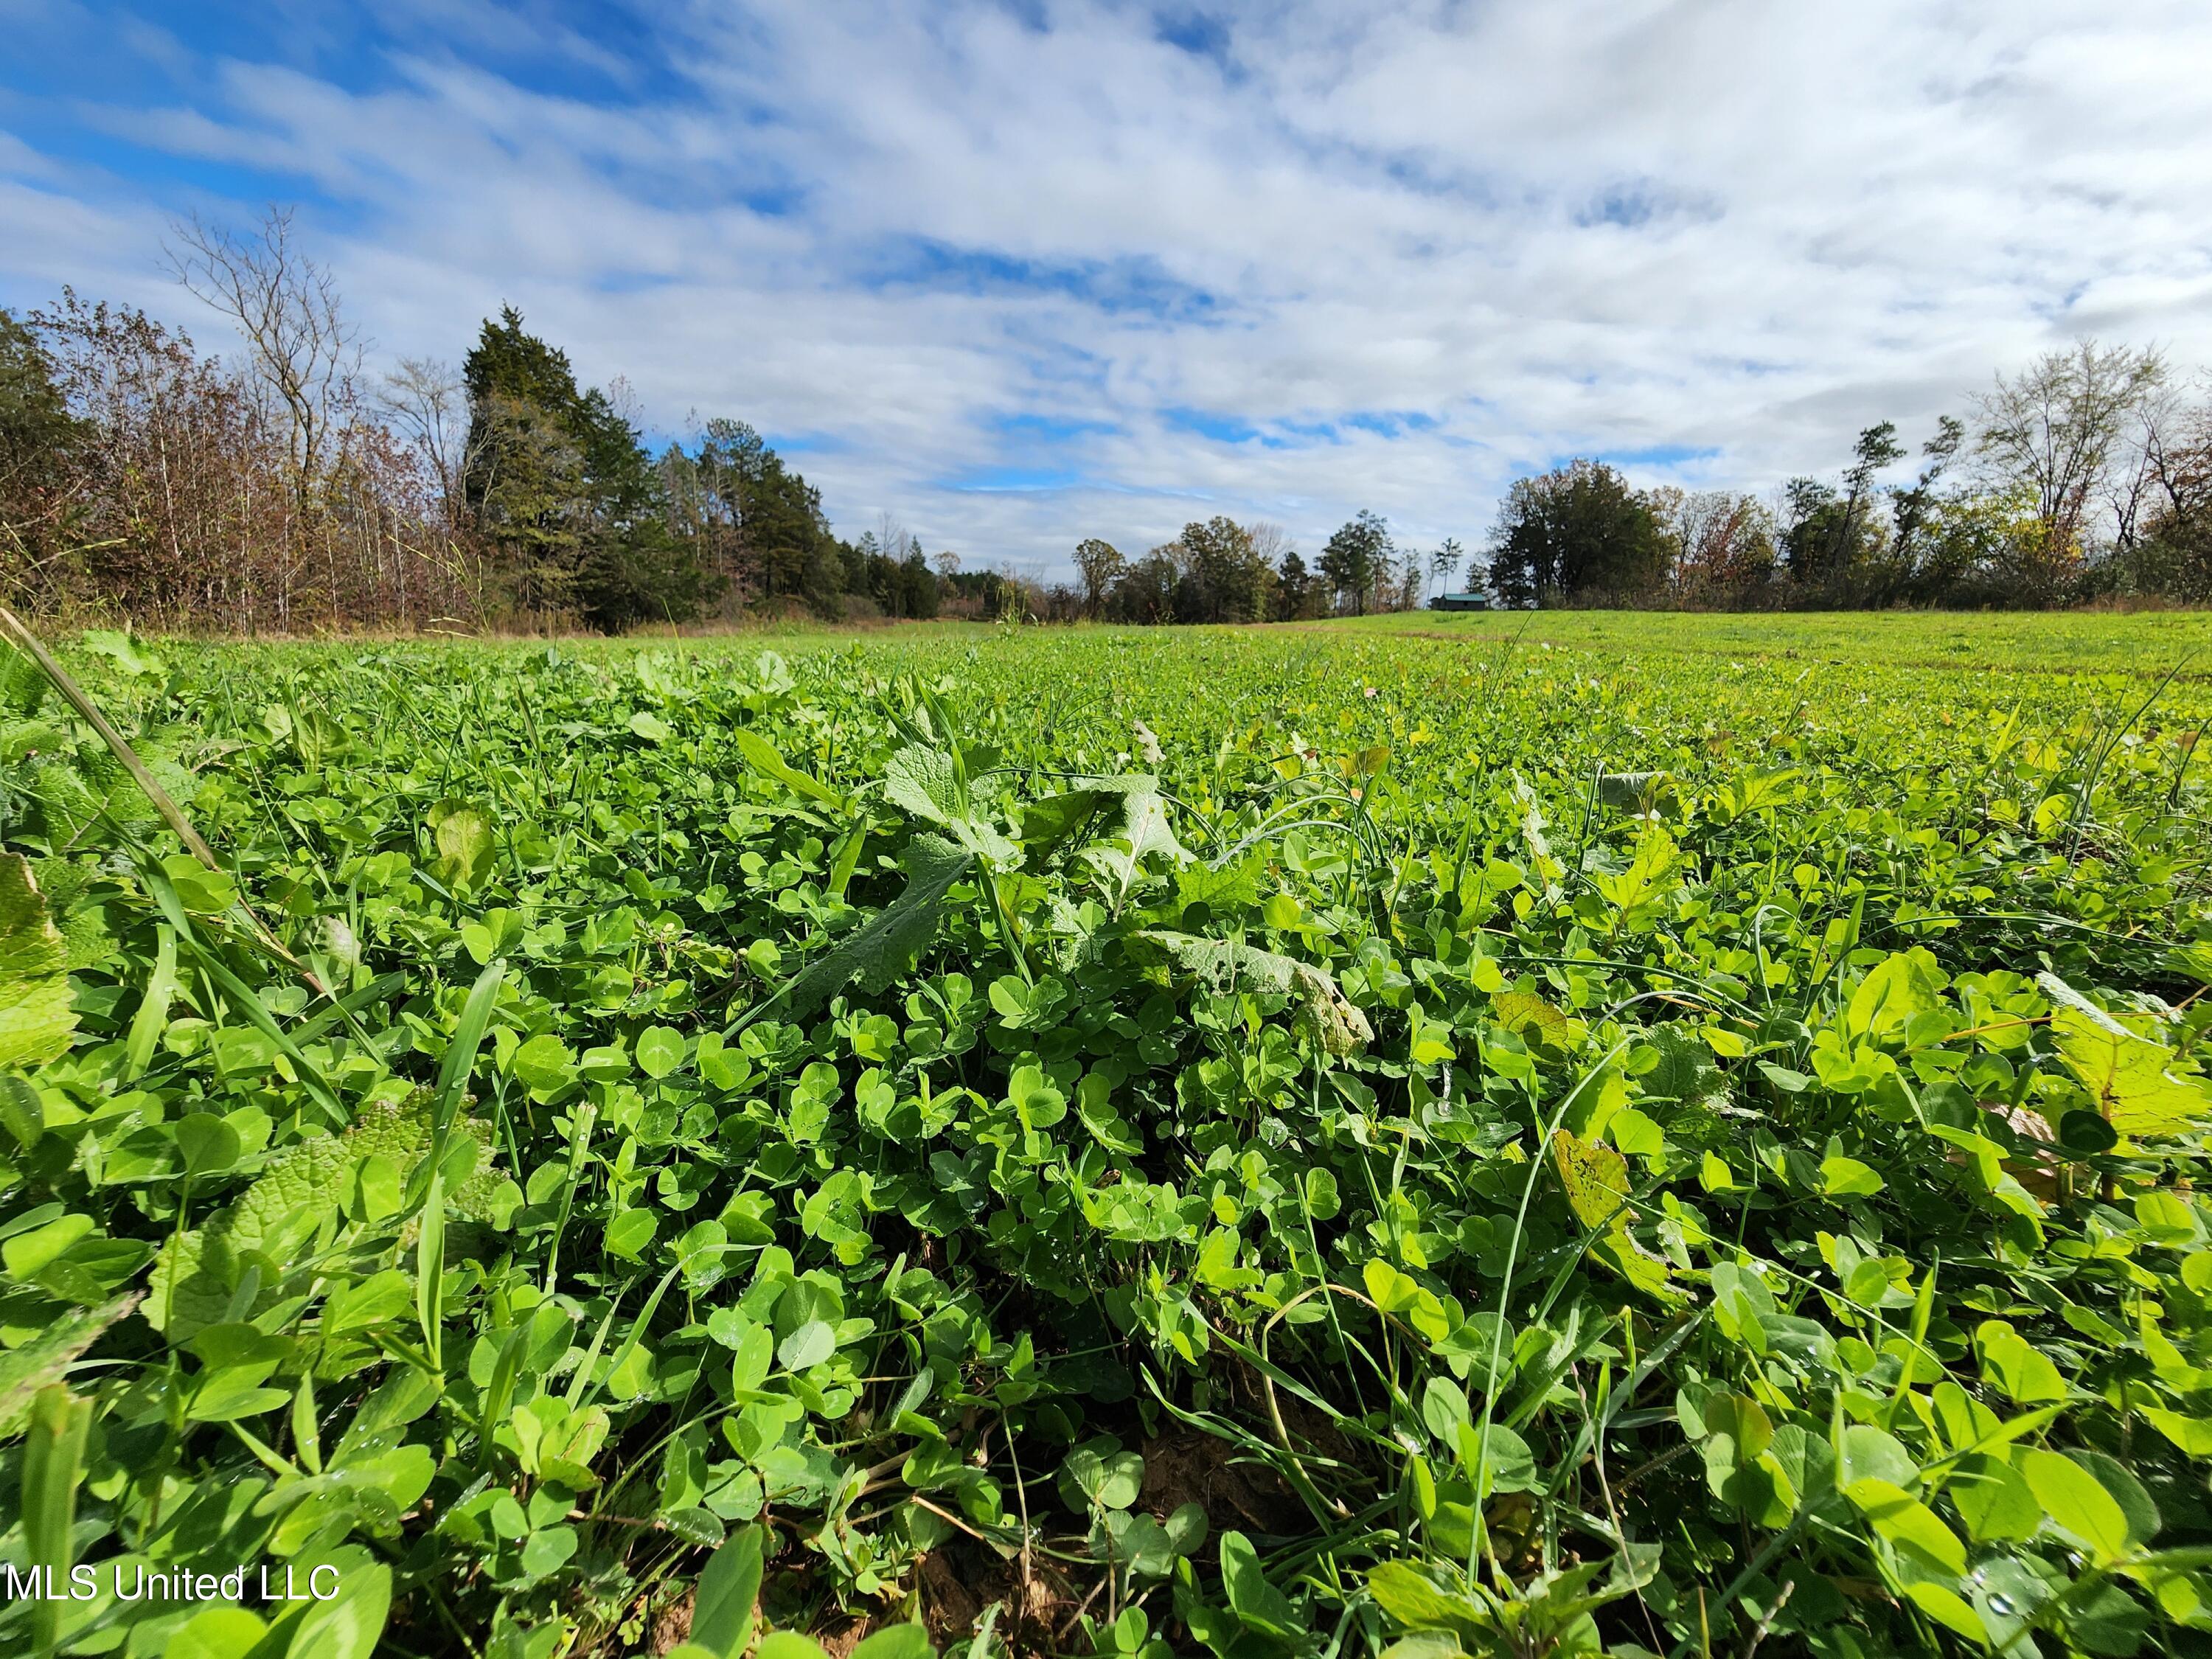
pixel 1503 1136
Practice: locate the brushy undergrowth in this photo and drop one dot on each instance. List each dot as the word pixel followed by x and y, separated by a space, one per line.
pixel 1280 1148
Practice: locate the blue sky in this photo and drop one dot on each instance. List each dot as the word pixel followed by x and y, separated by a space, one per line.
pixel 1014 274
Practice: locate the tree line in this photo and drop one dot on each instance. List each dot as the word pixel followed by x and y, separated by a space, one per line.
pixel 2086 478
pixel 291 491
pixel 1221 571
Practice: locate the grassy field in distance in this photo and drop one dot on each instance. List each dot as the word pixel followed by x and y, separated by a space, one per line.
pixel 2139 642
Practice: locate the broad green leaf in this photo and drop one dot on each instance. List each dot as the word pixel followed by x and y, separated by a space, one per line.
pixel 659 1050
pixel 1444 1409
pixel 349 1625
pixel 208 1145
pixel 1637 1135
pixel 807 1347
pixel 882 948
pixel 217 1632
pixel 629 1233
pixel 1255 1601
pixel 1643 884
pixel 26 1255
pixel 898 1642
pixel 1869 1453
pixel 36 1019
pixel 764 757
pixel 1994 1499
pixel 1417 1602
pixel 1895 989
pixel 2026 1375
pixel 2076 1504
pixel 1907 1522
pixel 1947 1607
pixel 1846 1177
pixel 1100 1473
pixel 927 783
pixel 2192 1434
pixel 729 1586
pixel 2126 1490
pixel 126 649
pixel 1323 1007
pixel 924 781
pixel 544 1064
pixel 1496 1459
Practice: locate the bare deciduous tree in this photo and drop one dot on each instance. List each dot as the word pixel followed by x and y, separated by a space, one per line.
pixel 184 481
pixel 429 403
pixel 285 305
pixel 893 539
pixel 1271 541
pixel 2057 430
pixel 2156 428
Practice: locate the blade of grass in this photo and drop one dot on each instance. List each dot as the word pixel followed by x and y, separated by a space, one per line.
pixel 172 814
pixel 430 1270
pixel 153 1016
pixel 54 1458
pixel 453 1076
pixel 240 996
pixel 376 991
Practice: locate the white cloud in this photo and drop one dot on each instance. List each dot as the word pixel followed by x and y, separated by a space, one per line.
pixel 1729 231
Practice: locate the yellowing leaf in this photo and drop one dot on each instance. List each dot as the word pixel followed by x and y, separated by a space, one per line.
pixel 464 837
pixel 1895 989
pixel 1595 1179
pixel 2127 1074
pixel 1650 1274
pixel 1534 1019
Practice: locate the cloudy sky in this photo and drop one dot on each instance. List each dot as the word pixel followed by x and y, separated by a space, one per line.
pixel 1018 273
